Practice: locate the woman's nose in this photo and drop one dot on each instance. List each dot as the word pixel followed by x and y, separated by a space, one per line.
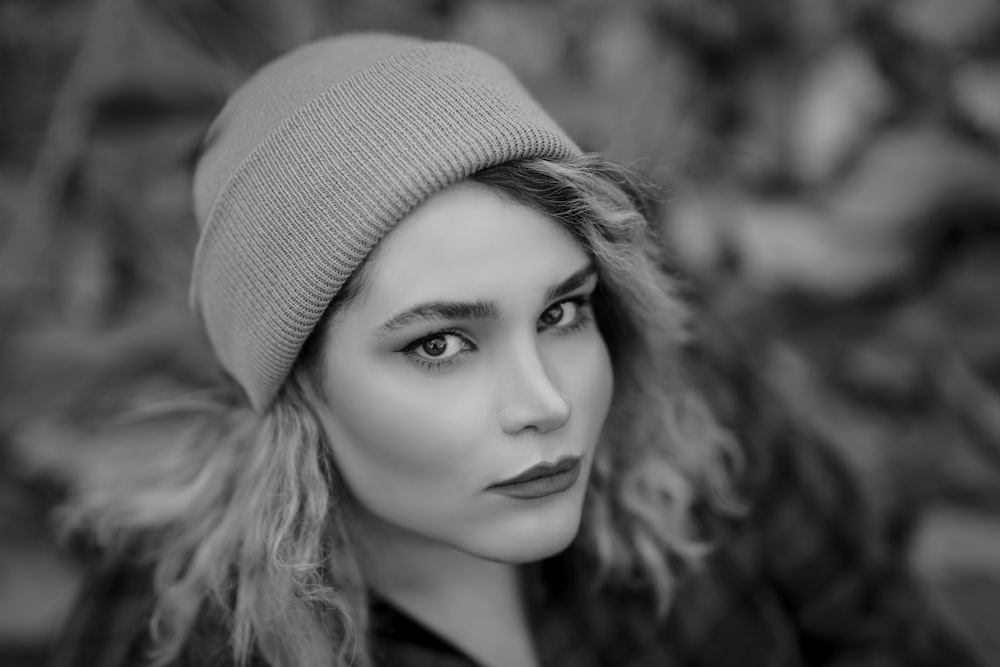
pixel 531 401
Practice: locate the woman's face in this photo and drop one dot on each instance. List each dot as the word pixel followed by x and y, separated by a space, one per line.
pixel 470 356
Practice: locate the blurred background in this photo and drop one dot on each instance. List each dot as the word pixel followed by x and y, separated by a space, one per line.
pixel 832 173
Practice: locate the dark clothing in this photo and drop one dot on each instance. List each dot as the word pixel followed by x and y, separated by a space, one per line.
pixel 804 579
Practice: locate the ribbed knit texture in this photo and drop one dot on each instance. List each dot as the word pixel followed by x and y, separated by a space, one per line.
pixel 319 155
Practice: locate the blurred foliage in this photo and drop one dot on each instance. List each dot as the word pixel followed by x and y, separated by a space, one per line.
pixel 830 173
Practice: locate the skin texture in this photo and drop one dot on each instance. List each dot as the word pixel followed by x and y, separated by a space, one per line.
pixel 423 417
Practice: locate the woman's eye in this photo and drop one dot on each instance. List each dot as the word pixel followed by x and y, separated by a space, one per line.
pixel 560 315
pixel 567 316
pixel 438 350
pixel 440 347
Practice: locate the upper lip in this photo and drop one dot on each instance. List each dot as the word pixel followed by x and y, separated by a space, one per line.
pixel 544 469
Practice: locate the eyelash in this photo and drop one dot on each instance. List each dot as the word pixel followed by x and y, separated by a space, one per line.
pixel 583 319
pixel 584 316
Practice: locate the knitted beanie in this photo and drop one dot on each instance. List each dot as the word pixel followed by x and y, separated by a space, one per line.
pixel 315 158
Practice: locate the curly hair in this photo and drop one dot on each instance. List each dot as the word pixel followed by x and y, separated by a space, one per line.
pixel 245 513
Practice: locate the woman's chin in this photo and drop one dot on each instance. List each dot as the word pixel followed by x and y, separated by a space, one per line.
pixel 522 554
pixel 528 541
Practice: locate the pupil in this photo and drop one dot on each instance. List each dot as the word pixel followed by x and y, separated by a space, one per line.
pixel 435 347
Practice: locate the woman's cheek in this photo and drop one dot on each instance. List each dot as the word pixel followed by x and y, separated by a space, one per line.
pixel 587 377
pixel 410 424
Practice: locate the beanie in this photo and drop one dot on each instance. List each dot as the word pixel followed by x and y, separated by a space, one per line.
pixel 315 158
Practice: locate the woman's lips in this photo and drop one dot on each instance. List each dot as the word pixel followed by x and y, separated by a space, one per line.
pixel 540 480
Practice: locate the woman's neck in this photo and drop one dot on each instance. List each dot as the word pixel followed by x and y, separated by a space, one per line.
pixel 473 602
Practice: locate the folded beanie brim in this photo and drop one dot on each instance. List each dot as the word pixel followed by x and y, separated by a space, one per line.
pixel 291 204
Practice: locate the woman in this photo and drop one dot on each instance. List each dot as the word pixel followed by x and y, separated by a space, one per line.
pixel 459 431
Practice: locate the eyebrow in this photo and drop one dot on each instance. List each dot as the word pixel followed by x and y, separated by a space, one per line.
pixel 475 310
pixel 577 280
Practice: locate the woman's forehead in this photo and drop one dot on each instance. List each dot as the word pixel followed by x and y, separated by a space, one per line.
pixel 467 242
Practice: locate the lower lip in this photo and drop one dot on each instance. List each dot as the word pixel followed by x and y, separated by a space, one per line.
pixel 541 486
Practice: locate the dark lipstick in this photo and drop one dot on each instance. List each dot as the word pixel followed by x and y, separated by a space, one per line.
pixel 540 480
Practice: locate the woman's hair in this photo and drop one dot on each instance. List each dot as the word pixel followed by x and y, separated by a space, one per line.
pixel 243 515
pixel 661 450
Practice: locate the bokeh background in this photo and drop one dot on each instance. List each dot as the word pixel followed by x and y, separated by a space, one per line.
pixel 832 179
